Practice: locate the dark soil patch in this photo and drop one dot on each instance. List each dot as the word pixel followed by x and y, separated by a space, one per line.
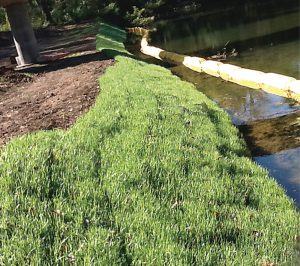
pixel 269 136
pixel 10 78
pixel 49 96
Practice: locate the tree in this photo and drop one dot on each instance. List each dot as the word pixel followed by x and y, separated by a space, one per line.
pixel 47 7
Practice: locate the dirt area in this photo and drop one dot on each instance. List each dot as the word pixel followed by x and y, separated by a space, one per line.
pixel 51 95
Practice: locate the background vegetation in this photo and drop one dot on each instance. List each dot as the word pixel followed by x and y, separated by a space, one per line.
pixel 3 24
pixel 126 12
pixel 129 12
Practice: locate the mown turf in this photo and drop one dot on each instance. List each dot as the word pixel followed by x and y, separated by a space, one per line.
pixel 153 174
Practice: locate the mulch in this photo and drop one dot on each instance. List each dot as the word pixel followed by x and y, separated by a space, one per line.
pixel 50 96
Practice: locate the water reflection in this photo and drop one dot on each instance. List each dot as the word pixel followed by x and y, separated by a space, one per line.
pixel 285 168
pixel 282 58
pixel 242 104
pixel 243 26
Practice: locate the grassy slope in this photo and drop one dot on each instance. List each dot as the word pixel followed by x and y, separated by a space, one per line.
pixel 154 174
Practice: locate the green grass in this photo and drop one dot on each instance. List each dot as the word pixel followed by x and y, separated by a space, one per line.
pixel 153 174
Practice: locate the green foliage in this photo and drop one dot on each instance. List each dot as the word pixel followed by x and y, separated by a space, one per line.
pixel 153 174
pixel 74 10
pixel 50 11
pixel 4 26
pixel 37 16
pixel 130 12
pixel 2 16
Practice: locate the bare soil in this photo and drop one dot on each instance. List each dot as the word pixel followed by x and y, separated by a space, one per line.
pixel 52 95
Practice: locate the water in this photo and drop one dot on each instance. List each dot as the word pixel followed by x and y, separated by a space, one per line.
pixel 243 104
pixel 247 25
pixel 281 58
pixel 269 123
pixel 285 168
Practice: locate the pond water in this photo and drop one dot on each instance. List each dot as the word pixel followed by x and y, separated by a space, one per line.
pixel 269 123
pixel 248 24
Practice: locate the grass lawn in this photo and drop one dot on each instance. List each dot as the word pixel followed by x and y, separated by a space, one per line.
pixel 153 174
